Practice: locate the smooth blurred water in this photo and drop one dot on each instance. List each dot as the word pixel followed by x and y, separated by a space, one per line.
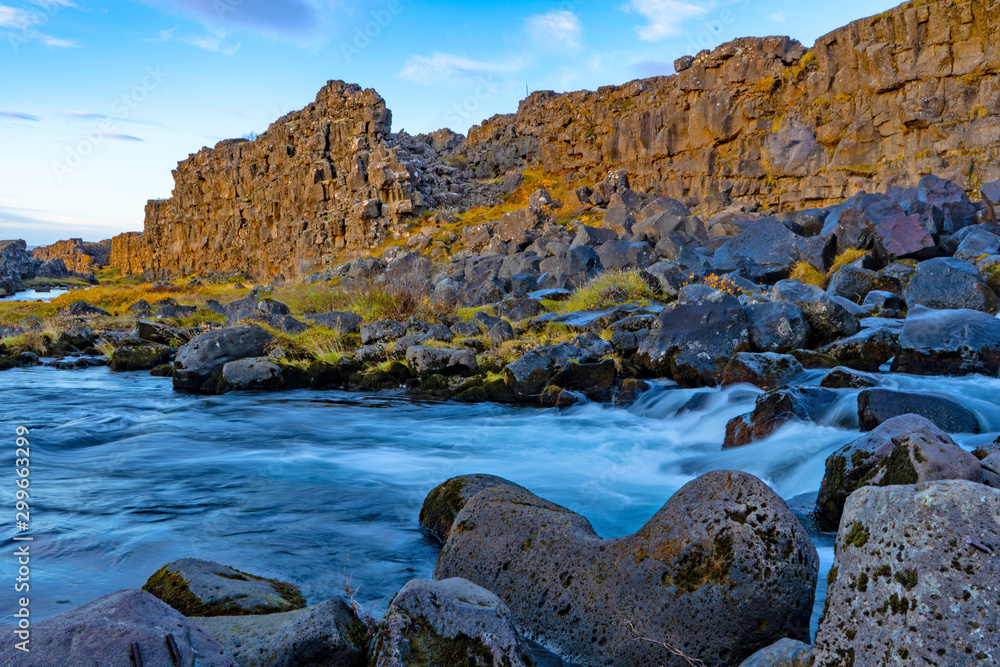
pixel 32 295
pixel 321 487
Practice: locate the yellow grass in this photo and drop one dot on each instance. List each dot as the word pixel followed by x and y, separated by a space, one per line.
pixel 608 289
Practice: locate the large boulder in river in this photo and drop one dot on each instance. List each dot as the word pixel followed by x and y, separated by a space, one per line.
pixel 328 634
pixel 132 354
pixel 694 337
pixel 775 409
pixel 261 374
pixel 448 623
pixel 905 450
pixel 722 570
pixel 876 406
pixel 949 342
pixel 947 283
pixel 828 318
pixel 782 653
pixel 529 375
pixel 767 370
pixel 202 359
pixel 104 632
pixel 202 588
pixel 448 498
pixel 915 577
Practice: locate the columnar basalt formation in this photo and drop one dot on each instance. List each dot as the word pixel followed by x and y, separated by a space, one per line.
pixel 76 254
pixel 321 182
pixel 875 104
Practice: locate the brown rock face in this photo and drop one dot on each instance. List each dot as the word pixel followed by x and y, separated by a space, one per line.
pixel 321 182
pixel 79 256
pixel 877 103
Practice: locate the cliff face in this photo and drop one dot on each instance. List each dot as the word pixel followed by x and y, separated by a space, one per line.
pixel 320 182
pixel 78 256
pixel 879 102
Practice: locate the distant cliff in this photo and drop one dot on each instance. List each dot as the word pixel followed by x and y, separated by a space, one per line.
pixel 879 102
pixel 78 255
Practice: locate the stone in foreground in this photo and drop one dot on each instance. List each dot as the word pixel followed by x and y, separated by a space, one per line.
pixel 198 362
pixel 915 578
pixel 783 653
pixel 722 570
pixel 100 634
pixel 447 499
pixel 877 406
pixel 905 450
pixel 328 634
pixel 449 623
pixel 948 342
pixel 203 588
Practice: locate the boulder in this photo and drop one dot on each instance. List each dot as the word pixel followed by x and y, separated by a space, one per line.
pixel 381 331
pixel 694 337
pixel 954 209
pixel 104 632
pixel 83 309
pixel 846 378
pixel 977 243
pixel 990 193
pixel 342 323
pixel 570 269
pixel 328 634
pixel 593 380
pixel 622 255
pixel 766 370
pixel 904 450
pixel 430 360
pixel 777 326
pixel 914 579
pixel 905 237
pixel 204 588
pixel 79 337
pixel 529 375
pixel 854 282
pixel 132 354
pixel 519 308
pixel 723 537
pixel 876 406
pixel 447 499
pixel 947 283
pixel 783 653
pixel 445 623
pixel 260 374
pixel 515 225
pixel 765 251
pixel 774 409
pixel 948 342
pixel 866 350
pixel 854 221
pixel 202 359
pixel 828 319
pixel 501 333
pixel 883 301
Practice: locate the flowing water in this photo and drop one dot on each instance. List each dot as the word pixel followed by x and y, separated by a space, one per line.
pixel 33 295
pixel 322 488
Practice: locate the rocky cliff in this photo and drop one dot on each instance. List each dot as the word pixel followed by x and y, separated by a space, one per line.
pixel 877 103
pixel 78 255
pixel 325 181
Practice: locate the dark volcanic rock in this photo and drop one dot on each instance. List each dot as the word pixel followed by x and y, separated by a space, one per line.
pixel 764 252
pixel 343 323
pixel 949 342
pixel 828 319
pixel 429 360
pixel 103 631
pixel 775 409
pixel 777 326
pixel 866 350
pixel 693 337
pixel 907 586
pixel 904 450
pixel 711 541
pixel 766 370
pixel 448 622
pixel 447 499
pixel 138 355
pixel 876 406
pixel 202 359
pixel 949 283
pixel 570 269
pixel 846 378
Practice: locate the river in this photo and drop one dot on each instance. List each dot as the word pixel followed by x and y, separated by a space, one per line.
pixel 322 488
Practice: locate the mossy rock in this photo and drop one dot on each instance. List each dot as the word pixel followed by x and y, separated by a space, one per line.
pixel 436 384
pixel 138 355
pixel 447 499
pixel 390 376
pixel 163 371
pixel 6 363
pixel 499 391
pixel 204 588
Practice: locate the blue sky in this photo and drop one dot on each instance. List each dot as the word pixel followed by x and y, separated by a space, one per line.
pixel 100 100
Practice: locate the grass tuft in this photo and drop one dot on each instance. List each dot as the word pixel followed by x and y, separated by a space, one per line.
pixel 609 289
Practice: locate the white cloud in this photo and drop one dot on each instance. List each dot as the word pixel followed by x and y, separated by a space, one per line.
pixel 558 29
pixel 666 17
pixel 16 19
pixel 214 42
pixel 448 67
pixel 778 16
pixel 25 23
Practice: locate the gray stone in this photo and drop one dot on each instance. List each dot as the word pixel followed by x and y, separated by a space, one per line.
pixel 866 350
pixel 570 269
pixel 514 225
pixel 767 370
pixel 447 499
pixel 948 342
pixel 783 653
pixel 775 409
pixel 828 319
pixel 846 378
pixel 949 283
pixel 501 333
pixel 876 406
pixel 777 326
pixel 528 375
pixel 203 358
pixel 252 374
pixel 343 323
pixel 157 332
pixel 465 329
pixel 904 450
pixel 79 337
pixel 328 634
pixel 430 360
pixel 519 308
pixel 132 354
pixel 82 309
pixel 101 633
pixel 725 536
pixel 381 331
pixel 448 622
pixel 203 588
pixel 909 585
